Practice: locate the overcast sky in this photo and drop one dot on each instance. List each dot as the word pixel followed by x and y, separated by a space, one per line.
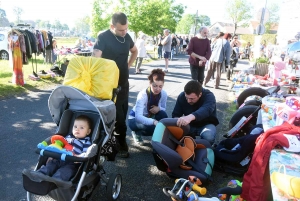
pixel 67 11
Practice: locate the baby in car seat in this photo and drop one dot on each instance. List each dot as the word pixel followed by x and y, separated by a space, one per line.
pixel 80 141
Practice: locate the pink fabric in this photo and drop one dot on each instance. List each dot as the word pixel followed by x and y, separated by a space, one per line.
pixel 279 65
pixel 256 181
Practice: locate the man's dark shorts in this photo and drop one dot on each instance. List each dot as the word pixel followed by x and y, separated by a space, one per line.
pixel 167 55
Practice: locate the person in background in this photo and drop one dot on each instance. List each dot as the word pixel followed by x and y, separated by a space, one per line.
pixel 184 44
pixel 159 45
pixel 142 53
pixel 54 49
pixel 180 45
pixel 199 51
pixel 196 106
pixel 78 43
pixel 150 107
pixel 173 46
pixel 248 50
pixel 235 42
pixel 220 53
pixel 166 42
pixel 115 44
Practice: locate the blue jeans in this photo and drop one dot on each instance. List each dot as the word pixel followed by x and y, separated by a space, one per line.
pixel 159 51
pixel 147 130
pixel 197 73
pixel 207 132
pixel 60 169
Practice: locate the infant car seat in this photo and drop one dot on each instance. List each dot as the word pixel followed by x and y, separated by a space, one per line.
pixel 178 154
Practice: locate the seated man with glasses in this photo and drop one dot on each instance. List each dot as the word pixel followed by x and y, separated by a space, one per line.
pixel 196 106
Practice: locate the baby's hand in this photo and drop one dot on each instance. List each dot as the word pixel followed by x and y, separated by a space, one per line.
pixel 49 159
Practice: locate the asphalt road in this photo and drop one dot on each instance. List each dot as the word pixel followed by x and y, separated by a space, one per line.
pixel 25 121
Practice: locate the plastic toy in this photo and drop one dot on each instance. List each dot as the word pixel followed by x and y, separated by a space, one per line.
pixel 59 145
pixel 184 189
pixel 232 184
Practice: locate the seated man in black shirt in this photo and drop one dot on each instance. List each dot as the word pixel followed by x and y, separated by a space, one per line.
pixel 196 106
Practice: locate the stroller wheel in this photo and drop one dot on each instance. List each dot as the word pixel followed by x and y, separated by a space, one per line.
pixel 113 186
pixel 165 190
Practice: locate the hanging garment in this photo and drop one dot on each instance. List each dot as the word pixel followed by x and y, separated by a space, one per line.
pixel 15 47
pixel 256 181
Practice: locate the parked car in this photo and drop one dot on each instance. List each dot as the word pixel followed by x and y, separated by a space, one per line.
pixel 3 45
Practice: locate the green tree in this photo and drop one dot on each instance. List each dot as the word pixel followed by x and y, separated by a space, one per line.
pixel 82 25
pixel 239 11
pixel 2 13
pixel 3 20
pixel 187 22
pixel 101 16
pixel 273 17
pixel 151 16
pixel 57 25
pixel 18 12
pixel 203 20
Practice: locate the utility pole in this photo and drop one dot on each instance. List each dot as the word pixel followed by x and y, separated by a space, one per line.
pixel 196 20
pixel 261 28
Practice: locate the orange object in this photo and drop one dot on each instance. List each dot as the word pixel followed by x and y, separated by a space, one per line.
pixel 67 146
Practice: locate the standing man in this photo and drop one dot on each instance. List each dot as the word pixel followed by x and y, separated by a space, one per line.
pixel 115 44
pixel 196 106
pixel 159 45
pixel 199 51
pixel 166 42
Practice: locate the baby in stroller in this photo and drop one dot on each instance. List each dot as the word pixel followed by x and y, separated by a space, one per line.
pixel 68 106
pixel 80 141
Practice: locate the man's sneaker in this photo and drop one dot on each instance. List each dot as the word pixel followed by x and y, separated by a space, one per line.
pixel 123 154
pixel 137 138
pixel 123 150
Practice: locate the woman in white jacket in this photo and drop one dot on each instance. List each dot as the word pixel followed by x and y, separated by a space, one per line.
pixel 140 44
pixel 150 107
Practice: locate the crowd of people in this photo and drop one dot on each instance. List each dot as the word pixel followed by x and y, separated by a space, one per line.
pixel 195 106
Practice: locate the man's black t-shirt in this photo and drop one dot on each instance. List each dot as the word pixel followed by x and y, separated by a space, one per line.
pixel 112 48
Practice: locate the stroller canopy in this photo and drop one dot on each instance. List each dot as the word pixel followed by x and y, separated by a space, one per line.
pixel 67 97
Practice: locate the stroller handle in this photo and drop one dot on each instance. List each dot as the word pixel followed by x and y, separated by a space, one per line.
pixel 61 156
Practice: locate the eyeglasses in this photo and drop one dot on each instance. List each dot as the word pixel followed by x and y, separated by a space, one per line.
pixel 235 38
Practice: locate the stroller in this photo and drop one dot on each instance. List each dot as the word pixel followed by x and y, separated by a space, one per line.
pixel 65 104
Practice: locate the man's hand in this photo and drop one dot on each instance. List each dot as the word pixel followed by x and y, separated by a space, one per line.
pixel 200 63
pixel 183 121
pixel 202 58
pixel 154 109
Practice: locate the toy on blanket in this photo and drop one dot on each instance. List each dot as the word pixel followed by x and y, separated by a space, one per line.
pixel 59 145
pixel 232 184
pixel 184 189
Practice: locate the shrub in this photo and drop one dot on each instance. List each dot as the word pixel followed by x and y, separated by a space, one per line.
pixel 262 60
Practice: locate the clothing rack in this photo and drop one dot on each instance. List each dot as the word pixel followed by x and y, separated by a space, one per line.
pixel 31 28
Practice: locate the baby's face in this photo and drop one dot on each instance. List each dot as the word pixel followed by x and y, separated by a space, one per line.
pixel 81 129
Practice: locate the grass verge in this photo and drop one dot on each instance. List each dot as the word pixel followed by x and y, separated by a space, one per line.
pixel 8 89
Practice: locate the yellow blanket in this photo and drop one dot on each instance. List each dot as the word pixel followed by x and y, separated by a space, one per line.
pixel 95 76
